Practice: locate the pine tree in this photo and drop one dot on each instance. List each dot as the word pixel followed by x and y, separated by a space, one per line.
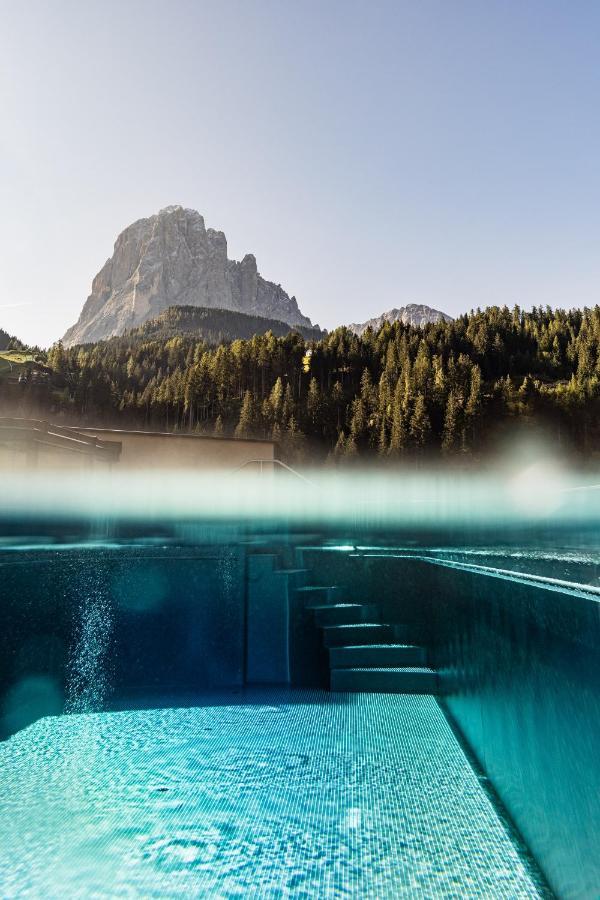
pixel 383 413
pixel 527 394
pixel 276 402
pixel 450 434
pixel 288 403
pixel 294 442
pixel 313 405
pixel 57 358
pixel 382 444
pixel 337 403
pixel 422 369
pixel 358 421
pixel 439 380
pixel 508 391
pixel 473 406
pixel 398 435
pixel 368 394
pixel 245 426
pixel 420 425
pixel 350 450
pixel 340 447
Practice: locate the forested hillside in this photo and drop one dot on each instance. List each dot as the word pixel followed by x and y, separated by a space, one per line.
pixel 215 326
pixel 8 342
pixel 389 395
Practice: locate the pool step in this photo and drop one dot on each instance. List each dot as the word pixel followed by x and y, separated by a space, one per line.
pixel 291 571
pixel 344 613
pixel 310 588
pixel 366 654
pixel 362 633
pixel 405 680
pixel 326 594
pixel 377 656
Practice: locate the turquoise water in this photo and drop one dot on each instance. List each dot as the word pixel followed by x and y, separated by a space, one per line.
pixel 166 728
pixel 278 794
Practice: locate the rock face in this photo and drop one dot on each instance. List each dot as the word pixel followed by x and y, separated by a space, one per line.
pixel 412 314
pixel 172 259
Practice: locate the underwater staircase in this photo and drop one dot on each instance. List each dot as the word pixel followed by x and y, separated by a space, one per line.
pixel 366 654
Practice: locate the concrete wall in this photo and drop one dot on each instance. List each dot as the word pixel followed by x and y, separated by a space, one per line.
pixel 53 459
pixel 37 444
pixel 155 450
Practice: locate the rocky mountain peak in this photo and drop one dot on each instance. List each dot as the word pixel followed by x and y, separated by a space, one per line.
pixel 417 314
pixel 172 259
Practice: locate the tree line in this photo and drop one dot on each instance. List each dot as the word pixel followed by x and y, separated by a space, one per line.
pixel 399 392
pixel 9 342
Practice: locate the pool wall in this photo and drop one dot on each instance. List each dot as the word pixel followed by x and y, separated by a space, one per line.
pixel 519 671
pixel 283 645
pixel 79 628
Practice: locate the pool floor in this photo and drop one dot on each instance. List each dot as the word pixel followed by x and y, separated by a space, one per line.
pixel 285 794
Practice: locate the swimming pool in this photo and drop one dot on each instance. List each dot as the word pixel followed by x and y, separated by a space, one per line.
pixel 276 708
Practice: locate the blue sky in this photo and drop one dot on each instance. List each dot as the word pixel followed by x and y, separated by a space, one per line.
pixel 369 154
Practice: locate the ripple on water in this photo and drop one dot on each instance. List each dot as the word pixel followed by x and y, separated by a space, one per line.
pixel 321 799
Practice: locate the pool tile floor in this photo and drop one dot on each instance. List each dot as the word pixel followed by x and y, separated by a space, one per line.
pixel 299 794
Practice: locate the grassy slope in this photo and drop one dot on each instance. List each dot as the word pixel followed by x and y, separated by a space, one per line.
pixel 11 361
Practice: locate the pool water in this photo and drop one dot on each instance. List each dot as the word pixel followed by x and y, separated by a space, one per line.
pixel 259 793
pixel 170 724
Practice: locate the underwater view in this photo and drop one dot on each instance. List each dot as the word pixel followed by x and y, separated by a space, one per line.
pixel 299 450
pixel 283 687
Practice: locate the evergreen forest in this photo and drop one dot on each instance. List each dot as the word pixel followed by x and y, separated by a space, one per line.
pixel 445 390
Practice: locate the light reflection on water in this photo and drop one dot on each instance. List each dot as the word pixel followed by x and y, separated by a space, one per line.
pixel 307 797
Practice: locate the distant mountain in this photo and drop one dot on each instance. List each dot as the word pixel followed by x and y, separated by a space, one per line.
pixel 172 259
pixel 413 314
pixel 215 326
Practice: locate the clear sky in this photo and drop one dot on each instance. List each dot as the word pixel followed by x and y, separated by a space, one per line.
pixel 370 154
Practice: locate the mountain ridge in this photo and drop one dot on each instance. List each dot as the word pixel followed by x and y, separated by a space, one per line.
pixel 416 314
